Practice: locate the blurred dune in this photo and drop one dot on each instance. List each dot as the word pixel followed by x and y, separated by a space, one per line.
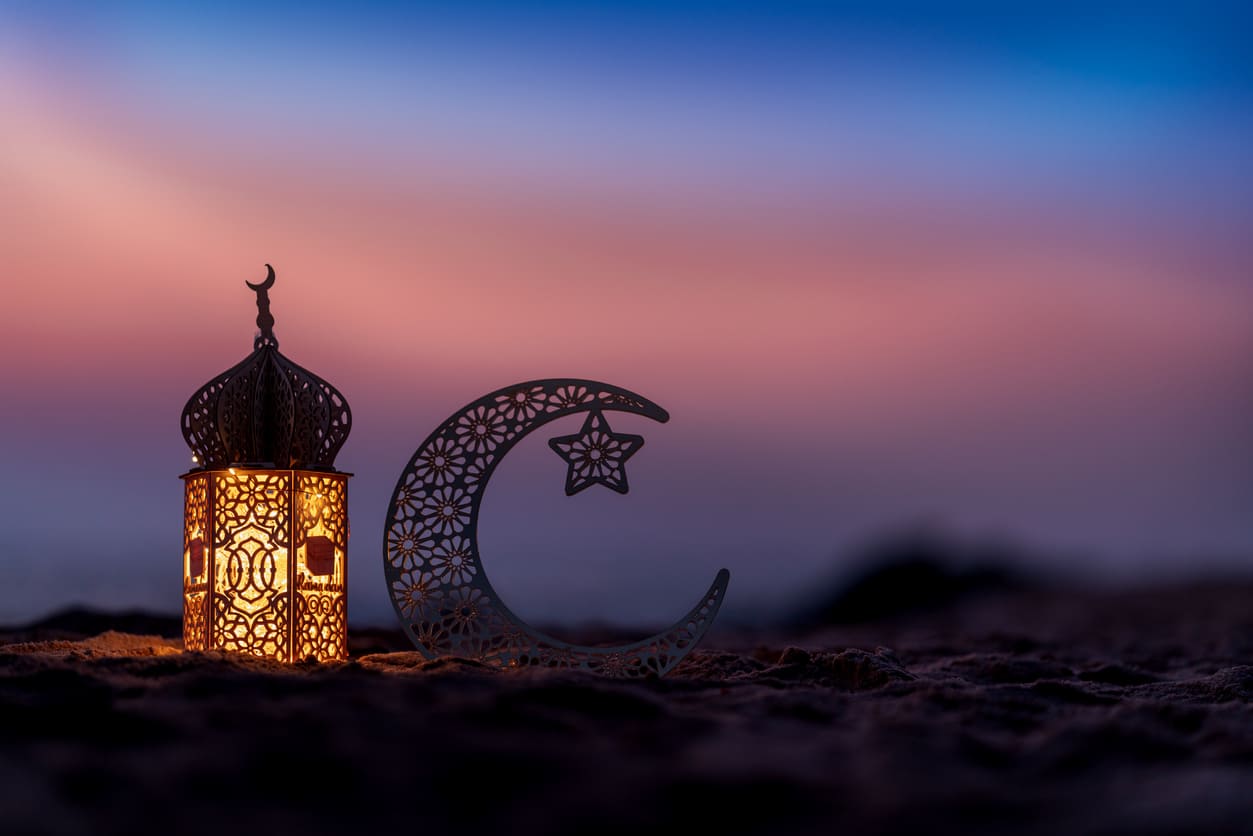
pixel 915 571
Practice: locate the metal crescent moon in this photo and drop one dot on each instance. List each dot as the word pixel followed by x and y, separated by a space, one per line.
pixel 265 285
pixel 435 575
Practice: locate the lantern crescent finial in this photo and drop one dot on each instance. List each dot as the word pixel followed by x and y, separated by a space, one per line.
pixel 265 321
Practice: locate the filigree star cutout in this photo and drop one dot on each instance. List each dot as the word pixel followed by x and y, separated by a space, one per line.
pixel 596 455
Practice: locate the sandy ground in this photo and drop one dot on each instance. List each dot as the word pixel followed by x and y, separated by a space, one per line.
pixel 1022 712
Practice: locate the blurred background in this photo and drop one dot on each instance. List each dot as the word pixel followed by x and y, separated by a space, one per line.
pixel 981 271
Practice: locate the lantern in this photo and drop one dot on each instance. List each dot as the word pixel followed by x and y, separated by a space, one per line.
pixel 265 521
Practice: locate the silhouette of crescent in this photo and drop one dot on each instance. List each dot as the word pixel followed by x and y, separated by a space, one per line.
pixel 265 285
pixel 435 574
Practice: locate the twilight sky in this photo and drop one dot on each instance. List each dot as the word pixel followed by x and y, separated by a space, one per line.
pixel 885 265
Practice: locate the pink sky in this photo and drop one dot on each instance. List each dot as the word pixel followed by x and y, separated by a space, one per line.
pixel 1068 373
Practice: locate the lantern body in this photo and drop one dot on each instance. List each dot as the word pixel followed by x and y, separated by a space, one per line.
pixel 265 562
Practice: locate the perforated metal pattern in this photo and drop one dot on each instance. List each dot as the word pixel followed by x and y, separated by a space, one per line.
pixel 434 570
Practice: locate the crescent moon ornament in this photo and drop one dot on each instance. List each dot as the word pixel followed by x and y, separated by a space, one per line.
pixel 265 322
pixel 435 574
pixel 265 285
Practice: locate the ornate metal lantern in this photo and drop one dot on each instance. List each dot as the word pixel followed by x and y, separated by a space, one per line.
pixel 265 542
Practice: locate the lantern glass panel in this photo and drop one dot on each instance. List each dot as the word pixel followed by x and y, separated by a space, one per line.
pixel 321 563
pixel 251 537
pixel 195 563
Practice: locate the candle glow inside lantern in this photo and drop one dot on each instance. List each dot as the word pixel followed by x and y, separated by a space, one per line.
pixel 265 542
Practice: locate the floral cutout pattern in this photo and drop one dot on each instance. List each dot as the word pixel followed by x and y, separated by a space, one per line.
pixel 410 542
pixel 440 464
pixel 522 404
pixel 446 510
pixel 481 429
pixel 451 561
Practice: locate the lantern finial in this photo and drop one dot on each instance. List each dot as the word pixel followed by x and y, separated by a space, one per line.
pixel 266 410
pixel 265 321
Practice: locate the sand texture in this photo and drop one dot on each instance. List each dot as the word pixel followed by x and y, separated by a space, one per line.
pixel 1025 712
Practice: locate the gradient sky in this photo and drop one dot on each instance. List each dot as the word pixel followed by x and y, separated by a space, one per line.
pixel 884 264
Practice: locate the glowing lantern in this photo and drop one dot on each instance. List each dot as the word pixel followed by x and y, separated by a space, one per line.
pixel 265 543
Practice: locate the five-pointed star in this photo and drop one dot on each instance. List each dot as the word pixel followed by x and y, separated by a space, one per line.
pixel 596 455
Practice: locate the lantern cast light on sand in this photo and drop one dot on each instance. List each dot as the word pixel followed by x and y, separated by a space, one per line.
pixel 265 543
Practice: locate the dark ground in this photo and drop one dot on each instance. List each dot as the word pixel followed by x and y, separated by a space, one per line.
pixel 1013 711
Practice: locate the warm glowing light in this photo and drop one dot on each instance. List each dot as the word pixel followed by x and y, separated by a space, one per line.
pixel 264 563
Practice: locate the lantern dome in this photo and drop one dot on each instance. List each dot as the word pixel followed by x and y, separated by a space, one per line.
pixel 266 411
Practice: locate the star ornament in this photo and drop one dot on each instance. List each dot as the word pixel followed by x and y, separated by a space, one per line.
pixel 596 455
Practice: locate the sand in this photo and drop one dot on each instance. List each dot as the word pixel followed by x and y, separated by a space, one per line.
pixel 1026 712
